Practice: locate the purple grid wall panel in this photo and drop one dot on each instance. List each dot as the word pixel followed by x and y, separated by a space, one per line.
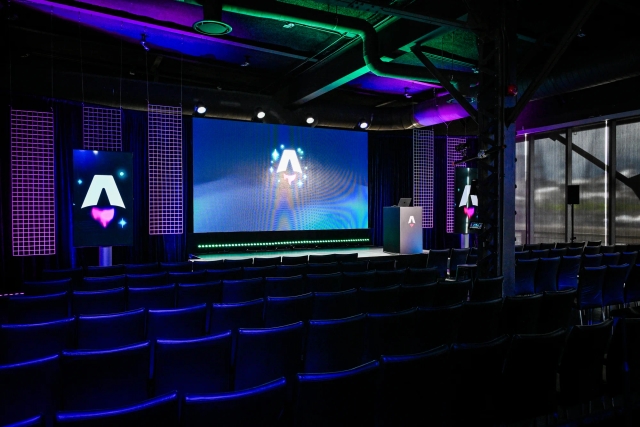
pixel 452 156
pixel 33 205
pixel 165 170
pixel 102 129
pixel 423 174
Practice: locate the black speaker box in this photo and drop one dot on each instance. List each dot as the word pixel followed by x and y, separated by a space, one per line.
pixel 573 194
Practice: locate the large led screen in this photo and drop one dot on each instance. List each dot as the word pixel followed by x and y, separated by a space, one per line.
pixel 262 177
pixel 102 198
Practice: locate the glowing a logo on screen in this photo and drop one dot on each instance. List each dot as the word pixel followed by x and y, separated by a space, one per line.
pixel 412 221
pixel 108 184
pixel 288 166
pixel 464 201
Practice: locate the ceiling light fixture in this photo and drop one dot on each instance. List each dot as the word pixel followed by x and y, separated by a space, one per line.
pixel 143 41
pixel 406 93
pixel 211 23
pixel 310 120
pixel 200 108
pixel 260 113
pixel 246 62
pixel 363 124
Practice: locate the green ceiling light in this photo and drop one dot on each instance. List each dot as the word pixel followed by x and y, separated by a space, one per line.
pixel 212 24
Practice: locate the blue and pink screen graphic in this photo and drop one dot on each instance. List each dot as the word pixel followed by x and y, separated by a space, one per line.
pixel 262 177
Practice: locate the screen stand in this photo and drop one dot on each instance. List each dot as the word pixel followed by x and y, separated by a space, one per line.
pixel 104 256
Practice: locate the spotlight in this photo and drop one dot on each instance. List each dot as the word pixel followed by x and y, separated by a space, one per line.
pixel 310 119
pixel 143 41
pixel 200 108
pixel 211 23
pixel 260 113
pixel 363 124
pixel 406 93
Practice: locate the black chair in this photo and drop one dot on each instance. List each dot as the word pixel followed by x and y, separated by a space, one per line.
pixel 580 370
pixel 613 285
pixel 323 259
pixel 264 355
pixel 487 289
pixel 436 326
pixel 149 280
pixel 295 260
pixel 623 356
pixel 197 293
pixel 225 317
pixel 382 264
pixel 237 262
pixel 573 251
pixel 324 282
pixel 75 274
pixel 608 249
pixel 521 313
pixel 285 270
pixel 353 266
pixel 187 277
pixel 590 288
pixel 104 379
pixel 199 365
pixel 102 271
pixel 105 331
pixel 99 302
pixel 46 287
pixel 230 274
pixel 439 258
pixel 539 253
pixel 390 333
pixel 160 410
pixel 400 377
pixel 262 405
pixel 103 283
pixel 29 389
pixel 19 343
pixel 632 285
pixel 384 278
pixel 266 261
pixel 234 291
pixel 556 310
pixel 530 370
pixel 594 242
pixel 477 369
pixel 37 309
pixel 577 245
pixel 379 300
pixel 335 305
pixel 350 257
pixel 335 345
pixel 562 245
pixel 177 324
pixel 568 272
pixel 611 259
pixel 458 256
pixel 531 246
pixel 522 255
pixel 547 246
pixel 176 267
pixel 480 321
pixel 417 276
pixel 284 286
pixel 258 272
pixel 358 280
pixel 557 252
pixel 452 292
pixel 157 298
pixel 628 258
pixel 546 276
pixel 348 396
pixel 323 268
pixel 591 250
pixel 519 248
pixel 207 265
pixel 146 268
pixel 525 276
pixel 281 311
pixel 417 295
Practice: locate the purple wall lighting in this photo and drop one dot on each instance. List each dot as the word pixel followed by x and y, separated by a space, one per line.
pixel 102 129
pixel 452 156
pixel 165 170
pixel 423 174
pixel 33 208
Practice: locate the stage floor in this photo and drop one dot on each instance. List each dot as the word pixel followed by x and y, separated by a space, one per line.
pixel 363 253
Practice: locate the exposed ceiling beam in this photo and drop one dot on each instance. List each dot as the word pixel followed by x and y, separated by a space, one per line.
pixel 449 57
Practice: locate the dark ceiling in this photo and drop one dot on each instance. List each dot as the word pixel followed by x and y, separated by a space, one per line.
pixel 92 50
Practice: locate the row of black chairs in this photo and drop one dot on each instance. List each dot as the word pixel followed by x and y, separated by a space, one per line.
pixel 621 247
pixel 501 380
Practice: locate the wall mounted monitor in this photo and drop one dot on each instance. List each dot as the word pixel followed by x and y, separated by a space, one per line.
pixel 466 209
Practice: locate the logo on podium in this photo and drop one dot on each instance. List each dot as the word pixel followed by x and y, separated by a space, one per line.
pixel 412 221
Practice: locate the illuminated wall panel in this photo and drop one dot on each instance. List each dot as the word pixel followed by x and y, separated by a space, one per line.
pixel 165 170
pixel 423 174
pixel 33 219
pixel 102 129
pixel 452 156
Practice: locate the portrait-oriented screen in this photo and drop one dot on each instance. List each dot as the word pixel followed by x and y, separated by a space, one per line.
pixel 466 210
pixel 102 198
pixel 262 177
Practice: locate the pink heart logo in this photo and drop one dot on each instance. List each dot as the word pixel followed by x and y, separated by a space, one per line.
pixel 411 225
pixel 469 211
pixel 103 216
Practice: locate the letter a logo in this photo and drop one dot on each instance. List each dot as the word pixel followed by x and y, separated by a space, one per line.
pixel 465 197
pixel 289 156
pixel 412 221
pixel 98 183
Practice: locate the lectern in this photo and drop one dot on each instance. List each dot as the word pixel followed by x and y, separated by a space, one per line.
pixel 402 230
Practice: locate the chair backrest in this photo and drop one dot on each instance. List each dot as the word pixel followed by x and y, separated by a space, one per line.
pixel 632 285
pixel 258 272
pixel 568 272
pixel 577 245
pixel 557 252
pixel 608 249
pixel 242 290
pixel 285 270
pixel 323 259
pixel 590 287
pixel 628 258
pixel 156 298
pixel 438 258
pixel 99 302
pixel 522 255
pixel 531 246
pixel 264 355
pixel 207 265
pixel 175 324
pixel 19 343
pixel 591 250
pixel 281 311
pixel 230 274
pixel 146 268
pixel 38 309
pixel 525 276
pixel 436 326
pixel 237 262
pixel 199 365
pixel 518 248
pixel 452 292
pixel 29 389
pixel 547 245
pixel 266 261
pixel 295 260
pixel 348 396
pixel 546 278
pixel 353 266
pixel 262 405
pixel 284 286
pixel 358 280
pixel 46 287
pixel 562 245
pixel 350 257
pixel 458 256
pixel 187 277
pixel 417 295
pixel 381 264
pixel 556 310
pixel 487 289
pixel 480 321
pixel 521 314
pixel 613 285
pixel 160 410
pixel 390 333
pixel 594 242
pixel 539 253
pixel 105 379
pixel 402 375
pixel 148 280
pixel 623 356
pixel 198 293
pixel 103 283
pixel 379 300
pixel 180 266
pixel 335 305
pixel 324 282
pixel 572 251
pixel 102 271
pixel 75 274
pixel 384 278
pixel 323 268
pixel 225 317
pixel 334 345
pixel 104 331
pixel 610 258
pixel 417 276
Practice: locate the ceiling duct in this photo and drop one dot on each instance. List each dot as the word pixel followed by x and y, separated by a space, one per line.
pixel 212 24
